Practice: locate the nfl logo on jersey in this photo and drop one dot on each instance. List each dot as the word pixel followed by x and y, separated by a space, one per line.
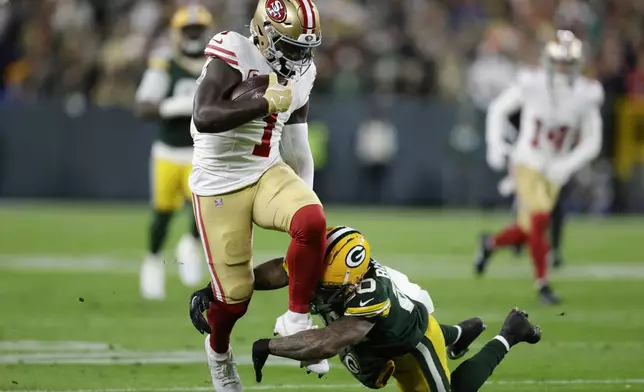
pixel 219 202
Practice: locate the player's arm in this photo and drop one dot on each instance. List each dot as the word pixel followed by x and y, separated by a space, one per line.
pixel 296 150
pixel 590 142
pixel 319 343
pixel 152 90
pixel 499 110
pixel 213 112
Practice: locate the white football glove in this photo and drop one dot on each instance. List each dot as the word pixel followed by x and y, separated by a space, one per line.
pixel 506 186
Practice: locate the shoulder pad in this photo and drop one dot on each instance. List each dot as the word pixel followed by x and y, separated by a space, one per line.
pixel 230 47
pixel 160 58
pixel 370 300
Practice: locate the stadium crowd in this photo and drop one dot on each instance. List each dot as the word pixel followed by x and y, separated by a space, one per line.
pixel 94 49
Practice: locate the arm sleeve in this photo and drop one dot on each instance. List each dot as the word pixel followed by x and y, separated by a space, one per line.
pixel 296 151
pixel 500 109
pixel 371 300
pixel 590 142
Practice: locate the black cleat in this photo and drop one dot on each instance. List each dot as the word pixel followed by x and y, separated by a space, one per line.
pixel 547 296
pixel 470 330
pixel 517 328
pixel 483 257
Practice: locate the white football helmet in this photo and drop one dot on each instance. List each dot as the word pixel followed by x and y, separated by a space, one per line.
pixel 563 57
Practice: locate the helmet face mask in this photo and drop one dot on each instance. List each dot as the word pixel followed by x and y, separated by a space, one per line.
pixel 191 30
pixel 563 57
pixel 194 39
pixel 286 32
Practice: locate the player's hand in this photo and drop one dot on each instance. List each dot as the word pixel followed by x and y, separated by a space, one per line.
pixel 279 96
pixel 260 355
pixel 199 303
pixel 496 159
pixel 558 172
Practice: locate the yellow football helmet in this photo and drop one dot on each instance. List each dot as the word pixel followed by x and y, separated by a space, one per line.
pixel 347 257
pixel 191 29
pixel 563 56
pixel 286 31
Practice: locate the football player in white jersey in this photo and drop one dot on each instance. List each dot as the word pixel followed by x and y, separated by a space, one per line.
pixel 239 176
pixel 165 94
pixel 561 131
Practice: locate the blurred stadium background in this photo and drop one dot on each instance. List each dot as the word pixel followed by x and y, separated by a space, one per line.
pixel 396 122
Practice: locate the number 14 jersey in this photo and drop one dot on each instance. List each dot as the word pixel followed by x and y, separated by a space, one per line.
pixel 231 160
pixel 554 110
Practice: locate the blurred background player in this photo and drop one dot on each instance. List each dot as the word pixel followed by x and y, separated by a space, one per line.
pixel 557 216
pixel 560 133
pixel 239 177
pixel 166 94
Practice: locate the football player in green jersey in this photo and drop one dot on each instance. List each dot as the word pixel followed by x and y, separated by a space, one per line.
pixel 166 94
pixel 380 324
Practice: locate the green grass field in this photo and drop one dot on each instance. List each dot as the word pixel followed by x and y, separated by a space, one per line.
pixel 72 318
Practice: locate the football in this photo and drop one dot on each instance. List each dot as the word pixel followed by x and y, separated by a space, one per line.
pixel 251 88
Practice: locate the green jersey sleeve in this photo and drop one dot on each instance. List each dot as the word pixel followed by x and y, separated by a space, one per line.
pixel 370 300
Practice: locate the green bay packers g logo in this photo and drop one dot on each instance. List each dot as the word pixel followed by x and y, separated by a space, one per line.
pixel 351 363
pixel 356 256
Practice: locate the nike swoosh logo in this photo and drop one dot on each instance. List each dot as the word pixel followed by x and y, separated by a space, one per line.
pixel 219 41
pixel 365 302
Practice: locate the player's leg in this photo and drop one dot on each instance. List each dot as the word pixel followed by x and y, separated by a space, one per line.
pixel 538 197
pixel 470 375
pixel 189 252
pixel 556 228
pixel 510 236
pixel 425 368
pixel 458 338
pixel 166 198
pixel 226 232
pixel 285 203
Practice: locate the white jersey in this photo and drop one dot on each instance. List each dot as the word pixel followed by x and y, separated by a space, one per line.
pixel 556 119
pixel 228 161
pixel 412 290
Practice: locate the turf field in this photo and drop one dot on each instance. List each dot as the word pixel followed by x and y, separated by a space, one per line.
pixel 72 319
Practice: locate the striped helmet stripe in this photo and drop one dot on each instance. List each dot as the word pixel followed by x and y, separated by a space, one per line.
pixel 337 234
pixel 309 16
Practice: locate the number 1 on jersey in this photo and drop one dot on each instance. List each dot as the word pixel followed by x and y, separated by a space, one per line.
pixel 264 149
pixel 555 136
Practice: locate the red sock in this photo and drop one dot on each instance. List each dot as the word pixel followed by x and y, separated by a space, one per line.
pixel 539 244
pixel 222 318
pixel 511 235
pixel 305 256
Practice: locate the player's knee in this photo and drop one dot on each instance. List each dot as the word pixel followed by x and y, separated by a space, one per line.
pixel 239 291
pixel 309 223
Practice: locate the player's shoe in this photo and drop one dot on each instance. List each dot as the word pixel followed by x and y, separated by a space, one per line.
pixel 189 259
pixel 517 328
pixel 152 279
pixel 223 370
pixel 286 326
pixel 470 330
pixel 547 296
pixel 483 257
